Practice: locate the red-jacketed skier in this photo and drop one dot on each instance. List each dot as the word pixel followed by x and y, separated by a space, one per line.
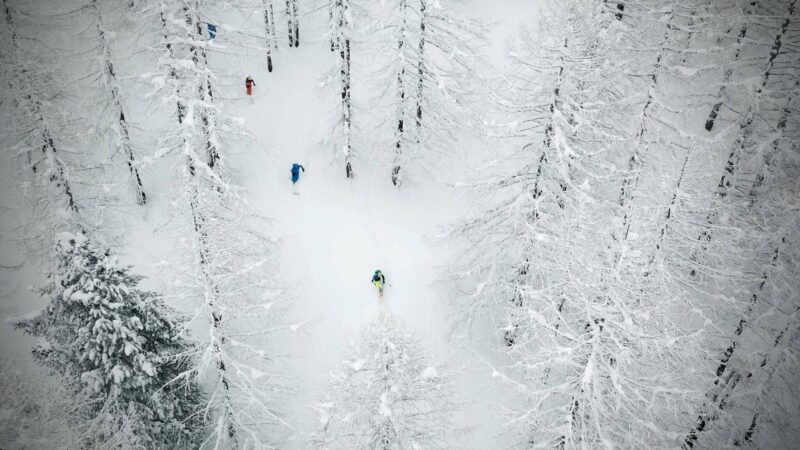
pixel 248 85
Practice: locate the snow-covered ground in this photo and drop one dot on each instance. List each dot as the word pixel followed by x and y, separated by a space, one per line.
pixel 334 234
pixel 615 285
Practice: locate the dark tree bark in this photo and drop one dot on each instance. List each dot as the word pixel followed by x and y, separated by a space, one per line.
pixel 620 8
pixel 746 130
pixel 268 33
pixel 668 215
pixel 290 22
pixel 726 78
pixel 272 27
pixel 727 376
pixel 340 40
pixel 216 315
pixel 180 108
pixel 57 178
pixel 401 102
pixel 114 94
pixel 517 301
pixel 421 65
pixel 635 163
pixel 205 92
pixel 296 21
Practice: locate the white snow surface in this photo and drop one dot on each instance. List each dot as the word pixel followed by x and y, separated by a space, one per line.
pixel 335 233
pixel 429 372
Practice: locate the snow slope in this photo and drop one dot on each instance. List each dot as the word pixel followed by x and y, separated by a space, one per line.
pixel 335 232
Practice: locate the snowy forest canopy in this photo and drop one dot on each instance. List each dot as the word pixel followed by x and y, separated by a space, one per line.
pixel 586 212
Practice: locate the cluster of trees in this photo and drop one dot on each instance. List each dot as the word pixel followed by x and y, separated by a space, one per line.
pixel 637 255
pixel 140 374
pixel 201 374
pixel 638 259
pixel 427 58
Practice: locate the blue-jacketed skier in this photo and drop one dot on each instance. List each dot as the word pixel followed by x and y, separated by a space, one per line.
pixel 296 168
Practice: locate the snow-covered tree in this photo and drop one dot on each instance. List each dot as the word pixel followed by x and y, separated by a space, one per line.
pixel 749 11
pixel 388 395
pixel 271 38
pixel 114 112
pixel 62 182
pixel 575 260
pixel 225 262
pixel 341 30
pixel 551 168
pixel 294 23
pixel 430 77
pixel 114 343
pixel 755 199
pixel 36 136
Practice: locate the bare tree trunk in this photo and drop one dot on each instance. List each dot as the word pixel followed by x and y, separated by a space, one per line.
pixel 180 108
pixel 347 108
pixel 423 18
pixel 272 26
pixel 750 10
pixel 727 377
pixel 726 78
pixel 517 301
pixel 786 112
pixel 636 161
pixel 401 102
pixel 57 170
pixel 113 86
pixel 339 15
pixel 332 4
pixel 777 44
pixel 290 22
pixel 268 33
pixel 211 296
pixel 205 93
pixel 211 290
pixel 732 163
pixel 296 21
pixel 785 336
pixel 668 214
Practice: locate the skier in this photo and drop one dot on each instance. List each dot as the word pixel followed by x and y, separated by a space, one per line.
pixel 296 168
pixel 248 85
pixel 379 280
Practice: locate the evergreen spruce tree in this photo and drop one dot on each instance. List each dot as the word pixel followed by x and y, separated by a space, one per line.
pixel 115 346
